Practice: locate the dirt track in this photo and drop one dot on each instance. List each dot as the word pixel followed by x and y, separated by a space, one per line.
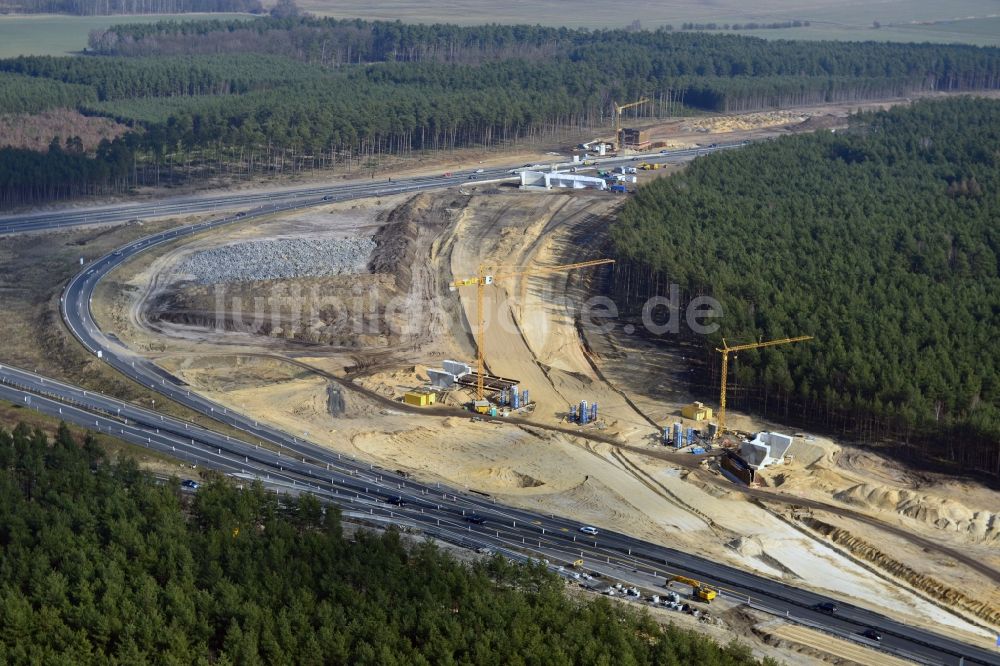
pixel 608 475
pixel 683 460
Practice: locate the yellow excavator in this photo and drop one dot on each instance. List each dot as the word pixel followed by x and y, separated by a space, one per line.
pixel 698 589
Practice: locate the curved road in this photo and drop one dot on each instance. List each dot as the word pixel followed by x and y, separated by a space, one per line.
pixel 285 462
pixel 285 198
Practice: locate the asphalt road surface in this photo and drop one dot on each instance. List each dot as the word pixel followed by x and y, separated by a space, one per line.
pixel 286 463
pixel 286 198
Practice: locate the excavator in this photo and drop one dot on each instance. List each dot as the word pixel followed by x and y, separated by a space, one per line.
pixel 698 589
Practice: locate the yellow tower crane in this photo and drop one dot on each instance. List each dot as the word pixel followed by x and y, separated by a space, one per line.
pixel 726 350
pixel 484 279
pixel 618 120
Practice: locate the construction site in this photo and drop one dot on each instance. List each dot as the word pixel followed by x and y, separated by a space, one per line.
pixel 444 335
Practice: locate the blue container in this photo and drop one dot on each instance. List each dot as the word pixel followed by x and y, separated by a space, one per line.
pixel 666 436
pixel 677 436
pixel 593 412
pixel 524 397
pixel 515 403
pixel 697 450
pixel 572 413
pixel 584 412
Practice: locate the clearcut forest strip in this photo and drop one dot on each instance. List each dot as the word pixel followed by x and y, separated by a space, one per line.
pixel 241 100
pixel 881 241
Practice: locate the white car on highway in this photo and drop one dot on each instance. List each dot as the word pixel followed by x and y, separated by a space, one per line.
pixel 587 529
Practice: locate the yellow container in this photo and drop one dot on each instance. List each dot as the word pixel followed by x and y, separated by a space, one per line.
pixel 696 412
pixel 419 398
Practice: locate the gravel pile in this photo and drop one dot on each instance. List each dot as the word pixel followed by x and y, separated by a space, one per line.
pixel 279 259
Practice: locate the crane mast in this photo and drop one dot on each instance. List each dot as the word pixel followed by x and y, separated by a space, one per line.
pixel 481 281
pixel 619 138
pixel 726 350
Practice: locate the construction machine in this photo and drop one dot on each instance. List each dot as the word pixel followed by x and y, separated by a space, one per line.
pixel 726 350
pixel 620 140
pixel 698 589
pixel 480 282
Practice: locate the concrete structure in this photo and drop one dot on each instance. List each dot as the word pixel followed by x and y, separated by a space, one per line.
pixel 456 368
pixel 696 411
pixel 420 398
pixel 547 181
pixel 441 379
pixel 636 139
pixel 736 467
pixel 452 371
pixel 767 448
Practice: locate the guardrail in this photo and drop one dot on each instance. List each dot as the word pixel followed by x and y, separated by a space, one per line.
pixel 840 633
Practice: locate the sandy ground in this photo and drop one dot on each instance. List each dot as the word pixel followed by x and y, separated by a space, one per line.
pixel 533 337
pixel 836 648
pixel 551 473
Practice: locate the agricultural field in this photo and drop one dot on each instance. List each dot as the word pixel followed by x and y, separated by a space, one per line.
pixel 48 34
pixel 965 21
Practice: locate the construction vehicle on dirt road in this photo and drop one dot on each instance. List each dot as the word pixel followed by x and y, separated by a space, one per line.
pixel 649 166
pixel 699 590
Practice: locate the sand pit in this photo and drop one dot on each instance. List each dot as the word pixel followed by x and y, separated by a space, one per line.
pixel 493 460
pixel 809 452
pixel 510 478
pixel 747 546
pixel 541 347
pixel 944 514
pixel 745 121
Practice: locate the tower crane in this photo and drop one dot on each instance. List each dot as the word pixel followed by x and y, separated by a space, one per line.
pixel 726 350
pixel 481 281
pixel 618 120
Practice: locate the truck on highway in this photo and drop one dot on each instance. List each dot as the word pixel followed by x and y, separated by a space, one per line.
pixel 699 590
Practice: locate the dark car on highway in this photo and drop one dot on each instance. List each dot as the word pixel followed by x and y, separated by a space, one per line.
pixel 398 501
pixel 475 518
pixel 872 634
pixel 827 607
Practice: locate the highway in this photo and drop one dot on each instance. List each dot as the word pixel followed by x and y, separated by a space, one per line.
pixel 287 198
pixel 285 462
